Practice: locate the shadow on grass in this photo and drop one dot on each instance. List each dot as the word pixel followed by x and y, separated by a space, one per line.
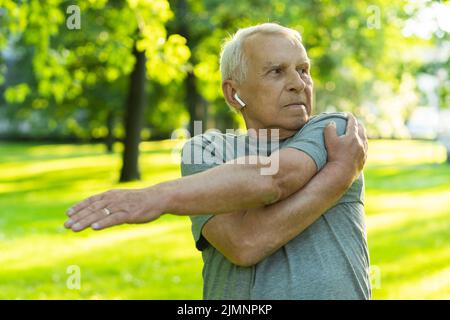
pixel 63 179
pixel 26 152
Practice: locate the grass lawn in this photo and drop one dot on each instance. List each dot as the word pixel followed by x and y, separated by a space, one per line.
pixel 407 205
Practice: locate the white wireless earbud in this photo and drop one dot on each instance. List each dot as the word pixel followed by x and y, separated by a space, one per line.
pixel 239 100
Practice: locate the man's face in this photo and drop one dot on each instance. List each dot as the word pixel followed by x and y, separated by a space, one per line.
pixel 278 88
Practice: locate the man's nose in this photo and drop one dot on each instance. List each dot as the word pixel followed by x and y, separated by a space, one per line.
pixel 296 83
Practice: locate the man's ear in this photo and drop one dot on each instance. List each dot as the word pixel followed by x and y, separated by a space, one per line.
pixel 228 89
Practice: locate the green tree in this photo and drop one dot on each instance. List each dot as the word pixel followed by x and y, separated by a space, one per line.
pixel 114 40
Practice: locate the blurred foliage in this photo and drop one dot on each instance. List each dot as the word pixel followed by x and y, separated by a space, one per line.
pixel 65 81
pixel 78 76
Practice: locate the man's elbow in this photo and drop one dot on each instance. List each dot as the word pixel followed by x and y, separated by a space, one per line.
pixel 269 187
pixel 244 255
pixel 242 259
pixel 274 191
pixel 295 170
pixel 284 184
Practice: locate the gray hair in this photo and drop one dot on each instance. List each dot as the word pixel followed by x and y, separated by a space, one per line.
pixel 233 63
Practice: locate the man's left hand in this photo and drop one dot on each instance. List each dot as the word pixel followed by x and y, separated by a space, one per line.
pixel 114 207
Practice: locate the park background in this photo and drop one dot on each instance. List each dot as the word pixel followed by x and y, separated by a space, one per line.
pixel 101 94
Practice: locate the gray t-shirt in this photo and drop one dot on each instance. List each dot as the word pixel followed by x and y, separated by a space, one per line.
pixel 328 260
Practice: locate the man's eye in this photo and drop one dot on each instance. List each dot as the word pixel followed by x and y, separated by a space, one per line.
pixel 304 71
pixel 276 71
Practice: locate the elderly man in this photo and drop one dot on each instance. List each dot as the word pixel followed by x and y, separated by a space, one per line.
pixel 298 233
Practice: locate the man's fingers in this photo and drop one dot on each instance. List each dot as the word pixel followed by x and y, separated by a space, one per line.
pixel 87 211
pixel 330 132
pixel 363 135
pixel 84 204
pixel 111 220
pixel 87 221
pixel 352 125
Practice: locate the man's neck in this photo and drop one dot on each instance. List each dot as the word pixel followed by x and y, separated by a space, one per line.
pixel 256 130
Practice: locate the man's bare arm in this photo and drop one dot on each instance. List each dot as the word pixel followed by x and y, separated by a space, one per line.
pixel 225 188
pixel 236 187
pixel 240 186
pixel 233 187
pixel 247 237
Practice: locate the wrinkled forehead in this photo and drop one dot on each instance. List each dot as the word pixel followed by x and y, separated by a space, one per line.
pixel 279 48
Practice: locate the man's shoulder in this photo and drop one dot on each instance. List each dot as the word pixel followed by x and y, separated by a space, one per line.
pixel 327 117
pixel 317 123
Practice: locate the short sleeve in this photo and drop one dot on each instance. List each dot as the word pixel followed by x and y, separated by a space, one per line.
pixel 310 138
pixel 191 163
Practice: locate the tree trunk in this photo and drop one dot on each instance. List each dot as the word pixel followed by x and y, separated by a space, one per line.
pixel 197 112
pixel 109 140
pixel 195 107
pixel 133 119
pixel 448 155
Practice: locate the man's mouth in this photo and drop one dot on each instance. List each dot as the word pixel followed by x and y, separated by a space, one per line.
pixel 295 105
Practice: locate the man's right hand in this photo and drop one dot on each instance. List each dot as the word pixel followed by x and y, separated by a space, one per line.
pixel 350 150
